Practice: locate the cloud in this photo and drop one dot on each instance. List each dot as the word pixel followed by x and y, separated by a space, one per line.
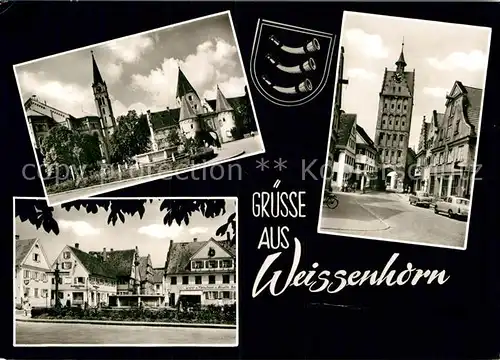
pixel 207 66
pixel 370 45
pixel 113 72
pixel 198 230
pixel 80 228
pixel 436 91
pixel 131 49
pixel 161 231
pixel 473 61
pixel 67 97
pixel 233 87
pixel 359 73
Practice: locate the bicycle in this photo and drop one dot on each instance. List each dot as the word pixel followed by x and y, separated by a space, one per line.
pixel 331 200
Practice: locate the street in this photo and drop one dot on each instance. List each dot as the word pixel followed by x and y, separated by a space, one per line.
pixel 58 333
pixel 389 216
pixel 235 149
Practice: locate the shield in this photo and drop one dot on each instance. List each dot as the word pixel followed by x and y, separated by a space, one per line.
pixel 290 65
pixel 26 281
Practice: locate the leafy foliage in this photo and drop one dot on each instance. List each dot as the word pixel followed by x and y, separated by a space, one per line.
pixel 65 147
pixel 179 211
pixel 132 137
pixel 173 137
pixel 243 115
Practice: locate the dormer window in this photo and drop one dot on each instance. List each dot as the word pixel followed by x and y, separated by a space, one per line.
pixel 190 97
pixel 66 255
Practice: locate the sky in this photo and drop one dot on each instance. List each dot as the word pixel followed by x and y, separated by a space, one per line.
pixel 92 232
pixel 440 53
pixel 140 70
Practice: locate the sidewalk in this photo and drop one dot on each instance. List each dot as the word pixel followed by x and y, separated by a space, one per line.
pixel 23 318
pixel 351 215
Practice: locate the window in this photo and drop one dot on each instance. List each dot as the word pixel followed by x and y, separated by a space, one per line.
pixel 404 107
pixel 225 279
pixel 79 280
pixel 191 126
pixel 227 263
pixel 173 280
pixel 44 277
pixel 35 275
pixel 197 280
pixel 195 106
pixel 27 291
pixel 66 255
pixel 226 295
pixel 394 137
pixel 403 123
pixel 392 153
pixel 45 293
pixel 457 126
pixel 211 279
pixel 383 122
pixel 399 106
pixel 104 111
pixel 386 152
pixel 399 89
pixel 394 89
pixel 66 265
pixel 385 106
pixel 36 292
pixel 197 264
pixel 26 274
pixel 399 153
pixel 185 280
pixel 335 174
pixel 190 97
pixel 212 264
pixel 211 295
pixel 390 122
pixel 392 106
pixel 401 137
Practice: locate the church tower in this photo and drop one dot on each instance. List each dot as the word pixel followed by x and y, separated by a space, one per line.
pixel 190 106
pixel 104 109
pixel 394 121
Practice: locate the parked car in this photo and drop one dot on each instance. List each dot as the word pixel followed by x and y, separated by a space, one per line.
pixel 420 198
pixel 454 206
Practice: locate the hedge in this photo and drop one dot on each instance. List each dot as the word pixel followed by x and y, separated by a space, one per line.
pixel 202 315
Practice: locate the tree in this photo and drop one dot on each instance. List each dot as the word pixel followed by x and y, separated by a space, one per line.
pixel 173 137
pixel 243 115
pixel 65 147
pixel 132 137
pixel 39 214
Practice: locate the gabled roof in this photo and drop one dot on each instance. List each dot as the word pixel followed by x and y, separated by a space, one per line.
pixel 94 264
pixel 365 136
pixel 180 254
pixel 347 121
pixel 158 276
pixel 183 85
pixel 221 103
pixel 121 261
pixel 23 247
pixel 475 96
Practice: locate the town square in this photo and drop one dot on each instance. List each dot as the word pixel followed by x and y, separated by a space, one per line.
pixel 401 166
pixel 177 286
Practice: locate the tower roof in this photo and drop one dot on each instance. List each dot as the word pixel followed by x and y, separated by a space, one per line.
pixel 95 70
pixel 221 103
pixel 183 85
pixel 401 61
pixel 186 111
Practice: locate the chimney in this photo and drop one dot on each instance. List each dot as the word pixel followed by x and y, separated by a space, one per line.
pixel 137 250
pixel 195 239
pixel 77 245
pixel 17 237
pixel 111 250
pixel 104 253
pixel 168 108
pixel 228 235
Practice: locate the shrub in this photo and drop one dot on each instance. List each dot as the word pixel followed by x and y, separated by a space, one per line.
pixel 237 133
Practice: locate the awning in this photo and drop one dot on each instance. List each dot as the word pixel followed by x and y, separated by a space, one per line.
pixel 191 292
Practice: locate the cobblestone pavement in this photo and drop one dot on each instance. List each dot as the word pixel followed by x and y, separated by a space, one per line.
pixel 389 216
pixel 56 333
pixel 249 145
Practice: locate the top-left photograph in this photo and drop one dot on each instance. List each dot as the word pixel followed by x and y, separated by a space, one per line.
pixel 139 108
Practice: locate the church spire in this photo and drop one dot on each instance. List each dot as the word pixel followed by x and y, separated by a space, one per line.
pixel 221 103
pixel 183 85
pixel 401 63
pixel 95 69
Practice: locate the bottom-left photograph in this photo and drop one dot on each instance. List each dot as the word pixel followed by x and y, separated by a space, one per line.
pixel 126 271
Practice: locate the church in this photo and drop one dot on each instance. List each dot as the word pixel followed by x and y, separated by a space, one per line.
pixel 394 121
pixel 191 115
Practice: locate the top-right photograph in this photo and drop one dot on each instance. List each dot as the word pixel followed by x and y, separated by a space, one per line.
pixel 406 119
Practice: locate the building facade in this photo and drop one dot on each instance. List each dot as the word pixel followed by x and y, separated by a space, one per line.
pixel 159 281
pixel 345 152
pixel 84 278
pixel 32 279
pixel 146 275
pixel 454 146
pixel 394 121
pixel 366 163
pixel 337 111
pixel 201 272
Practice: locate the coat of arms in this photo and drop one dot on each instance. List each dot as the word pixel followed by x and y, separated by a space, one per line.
pixel 211 252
